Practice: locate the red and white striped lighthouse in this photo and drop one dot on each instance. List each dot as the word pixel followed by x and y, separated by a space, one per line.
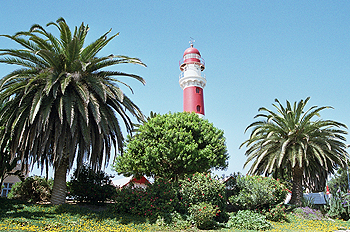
pixel 192 80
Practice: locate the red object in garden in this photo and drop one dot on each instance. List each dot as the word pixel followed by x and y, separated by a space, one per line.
pixel 327 192
pixel 141 182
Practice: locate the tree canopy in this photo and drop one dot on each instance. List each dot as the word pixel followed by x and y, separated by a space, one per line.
pixel 290 142
pixel 62 104
pixel 172 145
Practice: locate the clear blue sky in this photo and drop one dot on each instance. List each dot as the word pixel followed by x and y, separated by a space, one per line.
pixel 255 51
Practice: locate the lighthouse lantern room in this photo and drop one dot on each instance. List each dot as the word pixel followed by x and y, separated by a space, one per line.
pixel 192 80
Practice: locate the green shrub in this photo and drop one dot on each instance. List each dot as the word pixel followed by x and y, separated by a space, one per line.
pixel 308 202
pixel 127 200
pixel 257 192
pixel 158 199
pixel 91 187
pixel 338 206
pixel 276 213
pixel 175 220
pixel 32 189
pixel 248 220
pixel 203 215
pixel 180 221
pixel 201 187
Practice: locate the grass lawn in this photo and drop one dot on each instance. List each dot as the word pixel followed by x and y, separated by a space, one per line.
pixel 16 216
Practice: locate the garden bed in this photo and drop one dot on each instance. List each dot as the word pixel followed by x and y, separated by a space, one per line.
pixel 17 216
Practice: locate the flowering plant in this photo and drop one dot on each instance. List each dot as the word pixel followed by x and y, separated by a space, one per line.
pixel 157 199
pixel 201 187
pixel 276 213
pixel 308 213
pixel 203 214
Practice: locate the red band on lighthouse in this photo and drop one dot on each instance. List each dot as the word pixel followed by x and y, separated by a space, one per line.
pixel 193 100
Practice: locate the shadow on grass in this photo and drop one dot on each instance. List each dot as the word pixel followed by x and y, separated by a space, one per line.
pixel 15 209
pixel 99 213
pixel 18 209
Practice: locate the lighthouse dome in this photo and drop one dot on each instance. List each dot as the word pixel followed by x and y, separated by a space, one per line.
pixel 191 50
pixel 192 56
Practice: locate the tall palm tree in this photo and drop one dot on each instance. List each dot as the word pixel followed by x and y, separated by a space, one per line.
pixel 63 105
pixel 290 140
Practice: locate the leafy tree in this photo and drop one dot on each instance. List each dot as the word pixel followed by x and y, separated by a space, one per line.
pixel 63 106
pixel 173 145
pixel 290 142
pixel 137 125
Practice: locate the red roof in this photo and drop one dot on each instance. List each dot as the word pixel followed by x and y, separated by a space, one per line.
pixel 142 180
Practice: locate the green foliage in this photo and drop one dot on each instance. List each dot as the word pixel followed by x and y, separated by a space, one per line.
pixel 308 202
pixel 158 199
pixel 32 189
pixel 175 220
pixel 203 215
pixel 338 206
pixel 173 145
pixel 284 176
pixel 248 220
pixel 202 187
pixel 89 186
pixel 257 192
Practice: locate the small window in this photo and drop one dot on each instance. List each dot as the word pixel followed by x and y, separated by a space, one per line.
pixel 198 108
pixel 6 189
pixel 197 90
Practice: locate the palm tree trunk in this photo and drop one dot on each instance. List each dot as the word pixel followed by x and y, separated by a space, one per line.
pixel 59 189
pixel 297 191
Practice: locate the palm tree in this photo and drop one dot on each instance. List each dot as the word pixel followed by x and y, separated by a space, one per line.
pixel 289 140
pixel 63 105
